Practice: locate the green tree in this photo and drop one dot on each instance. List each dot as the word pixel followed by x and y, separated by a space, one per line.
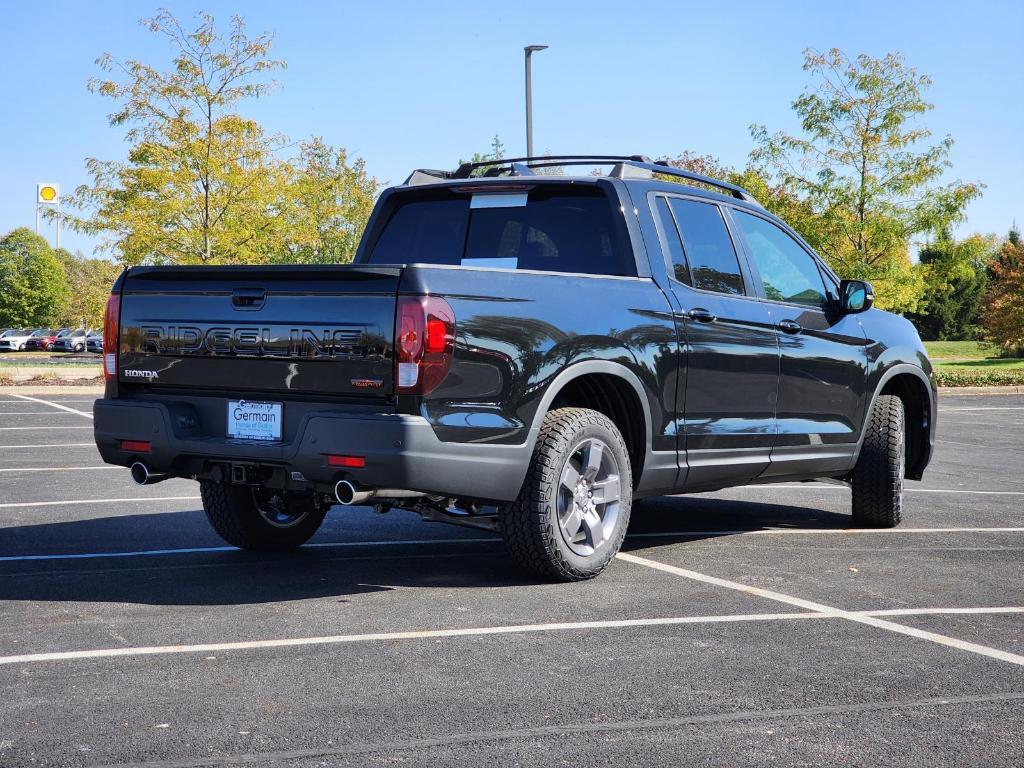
pixel 864 165
pixel 90 281
pixel 33 286
pixel 201 183
pixel 956 276
pixel 497 153
pixel 329 202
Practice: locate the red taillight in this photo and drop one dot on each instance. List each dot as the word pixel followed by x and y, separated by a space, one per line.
pixel 424 340
pixel 356 462
pixel 111 319
pixel 136 446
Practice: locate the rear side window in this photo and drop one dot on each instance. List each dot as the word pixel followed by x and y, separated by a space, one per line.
pixel 555 231
pixel 788 272
pixel 708 248
pixel 680 269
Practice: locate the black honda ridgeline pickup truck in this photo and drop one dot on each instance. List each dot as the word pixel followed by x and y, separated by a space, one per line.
pixel 524 353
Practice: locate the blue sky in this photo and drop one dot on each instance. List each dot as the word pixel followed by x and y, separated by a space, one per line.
pixel 407 84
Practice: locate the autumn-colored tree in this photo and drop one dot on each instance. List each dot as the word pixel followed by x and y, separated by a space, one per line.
pixel 201 183
pixel 90 281
pixel 329 201
pixel 1003 315
pixel 776 198
pixel 864 165
pixel 33 286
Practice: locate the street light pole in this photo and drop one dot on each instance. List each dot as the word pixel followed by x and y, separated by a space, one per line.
pixel 529 98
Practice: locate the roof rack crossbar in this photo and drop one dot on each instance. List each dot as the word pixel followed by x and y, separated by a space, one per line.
pixel 464 170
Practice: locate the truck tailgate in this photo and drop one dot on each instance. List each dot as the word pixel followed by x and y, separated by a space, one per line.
pixel 249 329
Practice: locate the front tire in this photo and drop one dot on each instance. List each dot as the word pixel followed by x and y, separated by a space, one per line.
pixel 878 475
pixel 260 519
pixel 573 510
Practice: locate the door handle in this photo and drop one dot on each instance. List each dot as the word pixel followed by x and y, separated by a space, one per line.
pixel 790 326
pixel 701 315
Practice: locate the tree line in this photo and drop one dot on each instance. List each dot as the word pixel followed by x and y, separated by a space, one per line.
pixel 862 180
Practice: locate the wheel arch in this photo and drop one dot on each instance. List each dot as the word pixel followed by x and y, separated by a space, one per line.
pixel 612 389
pixel 916 391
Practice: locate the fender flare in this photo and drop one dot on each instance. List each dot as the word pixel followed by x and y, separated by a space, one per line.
pixel 890 373
pixel 583 368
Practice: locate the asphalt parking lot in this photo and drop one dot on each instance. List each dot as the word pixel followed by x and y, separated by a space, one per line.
pixel 745 627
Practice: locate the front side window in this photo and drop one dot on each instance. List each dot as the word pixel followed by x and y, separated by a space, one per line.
pixel 708 247
pixel 788 272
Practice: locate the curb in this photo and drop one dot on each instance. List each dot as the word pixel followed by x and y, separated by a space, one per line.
pixel 52 389
pixel 1006 389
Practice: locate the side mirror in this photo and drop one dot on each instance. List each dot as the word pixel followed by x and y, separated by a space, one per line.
pixel 855 296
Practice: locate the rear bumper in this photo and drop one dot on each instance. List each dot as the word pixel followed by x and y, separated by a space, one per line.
pixel 401 451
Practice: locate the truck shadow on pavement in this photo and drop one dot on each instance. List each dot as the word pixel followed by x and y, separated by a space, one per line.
pixel 337 572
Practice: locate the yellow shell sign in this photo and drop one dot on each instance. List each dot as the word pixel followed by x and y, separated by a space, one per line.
pixel 46 193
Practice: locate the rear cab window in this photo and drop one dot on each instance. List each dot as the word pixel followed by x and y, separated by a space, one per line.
pixel 702 252
pixel 550 228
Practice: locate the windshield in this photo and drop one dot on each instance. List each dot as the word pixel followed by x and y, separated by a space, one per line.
pixel 553 229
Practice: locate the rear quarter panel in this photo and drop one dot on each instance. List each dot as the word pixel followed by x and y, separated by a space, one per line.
pixel 517 330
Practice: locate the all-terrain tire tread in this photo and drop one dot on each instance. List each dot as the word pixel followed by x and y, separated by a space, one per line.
pixel 877 479
pixel 527 524
pixel 232 513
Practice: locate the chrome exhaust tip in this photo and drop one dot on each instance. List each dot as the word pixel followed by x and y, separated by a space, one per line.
pixel 142 476
pixel 140 473
pixel 346 494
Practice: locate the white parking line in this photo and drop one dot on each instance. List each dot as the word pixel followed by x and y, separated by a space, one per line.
pixel 810 605
pixel 28 413
pixel 25 429
pixel 291 642
pixel 982 408
pixel 939 611
pixel 418 542
pixel 775 531
pixel 52 405
pixel 207 550
pixel 20 504
pixel 831 487
pixel 52 445
pixel 57 469
pixel 393 636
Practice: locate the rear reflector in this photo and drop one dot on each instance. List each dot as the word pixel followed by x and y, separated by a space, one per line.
pixel 356 462
pixel 136 446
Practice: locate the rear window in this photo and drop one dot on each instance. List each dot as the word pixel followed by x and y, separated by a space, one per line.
pixel 555 231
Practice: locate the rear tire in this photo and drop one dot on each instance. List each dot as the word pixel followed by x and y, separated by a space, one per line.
pixel 573 510
pixel 258 519
pixel 878 475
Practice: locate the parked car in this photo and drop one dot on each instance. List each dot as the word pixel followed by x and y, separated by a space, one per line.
pixel 72 341
pixel 16 340
pixel 94 342
pixel 43 342
pixel 520 353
